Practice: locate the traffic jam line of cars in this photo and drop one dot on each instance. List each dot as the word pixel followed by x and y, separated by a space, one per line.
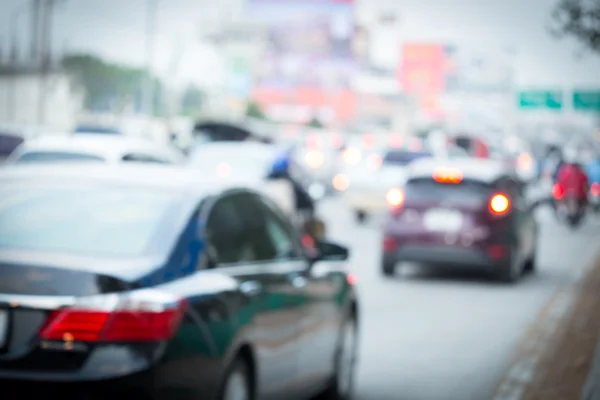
pixel 146 276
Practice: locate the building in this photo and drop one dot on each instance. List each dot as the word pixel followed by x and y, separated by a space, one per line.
pixel 28 97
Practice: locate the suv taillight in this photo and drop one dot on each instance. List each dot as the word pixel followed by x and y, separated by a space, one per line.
pixel 140 316
pixel 499 204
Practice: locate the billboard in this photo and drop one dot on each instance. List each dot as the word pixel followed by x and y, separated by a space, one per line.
pixel 422 73
pixel 310 47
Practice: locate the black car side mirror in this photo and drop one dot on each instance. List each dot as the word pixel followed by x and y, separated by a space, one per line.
pixel 332 251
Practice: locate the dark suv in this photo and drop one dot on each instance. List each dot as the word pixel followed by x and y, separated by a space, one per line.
pixel 460 213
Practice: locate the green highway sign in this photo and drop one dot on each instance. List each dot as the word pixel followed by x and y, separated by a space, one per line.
pixel 541 100
pixel 586 100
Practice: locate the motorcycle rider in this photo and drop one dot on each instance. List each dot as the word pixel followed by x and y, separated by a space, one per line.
pixel 572 178
pixel 305 205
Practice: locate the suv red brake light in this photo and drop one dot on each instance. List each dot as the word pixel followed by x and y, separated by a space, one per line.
pixel 145 315
pixel 447 175
pixel 499 204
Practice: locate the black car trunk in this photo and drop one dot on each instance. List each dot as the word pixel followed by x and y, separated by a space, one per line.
pixel 28 293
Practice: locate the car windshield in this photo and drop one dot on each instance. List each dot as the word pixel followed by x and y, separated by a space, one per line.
pixel 96 221
pixel 234 163
pixel 90 129
pixel 402 157
pixel 32 157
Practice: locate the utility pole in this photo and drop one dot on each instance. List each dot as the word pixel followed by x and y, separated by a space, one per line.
pixel 45 54
pixel 36 31
pixel 148 85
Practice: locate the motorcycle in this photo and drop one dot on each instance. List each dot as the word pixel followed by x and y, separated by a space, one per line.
pixel 567 207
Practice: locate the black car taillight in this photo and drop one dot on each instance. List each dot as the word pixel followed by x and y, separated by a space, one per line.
pixel 140 316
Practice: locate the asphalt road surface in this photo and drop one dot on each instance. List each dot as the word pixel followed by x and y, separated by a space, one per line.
pixel 438 335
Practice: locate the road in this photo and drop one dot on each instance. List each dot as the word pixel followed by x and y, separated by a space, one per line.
pixel 438 335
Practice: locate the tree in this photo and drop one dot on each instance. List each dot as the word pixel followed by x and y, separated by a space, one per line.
pixel 579 19
pixel 192 101
pixel 108 86
pixel 315 123
pixel 254 111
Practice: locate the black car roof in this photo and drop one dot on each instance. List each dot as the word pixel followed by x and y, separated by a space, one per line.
pixel 483 170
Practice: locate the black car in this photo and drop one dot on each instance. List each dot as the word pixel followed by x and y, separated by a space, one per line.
pixel 149 281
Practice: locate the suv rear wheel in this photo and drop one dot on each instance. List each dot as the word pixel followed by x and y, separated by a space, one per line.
pixel 512 271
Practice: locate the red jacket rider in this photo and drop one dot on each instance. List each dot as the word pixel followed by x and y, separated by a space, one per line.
pixel 574 181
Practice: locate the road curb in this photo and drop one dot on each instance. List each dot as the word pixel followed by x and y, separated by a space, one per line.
pixel 591 390
pixel 538 339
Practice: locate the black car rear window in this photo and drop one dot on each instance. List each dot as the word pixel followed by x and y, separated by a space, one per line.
pixel 403 157
pixel 464 143
pixel 428 189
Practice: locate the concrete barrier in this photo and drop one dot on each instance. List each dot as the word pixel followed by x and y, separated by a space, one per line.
pixel 591 390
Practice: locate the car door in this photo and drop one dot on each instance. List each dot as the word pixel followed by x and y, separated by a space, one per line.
pixel 265 270
pixel 318 286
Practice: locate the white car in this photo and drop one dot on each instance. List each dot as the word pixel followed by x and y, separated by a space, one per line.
pixel 246 163
pixel 367 175
pixel 110 149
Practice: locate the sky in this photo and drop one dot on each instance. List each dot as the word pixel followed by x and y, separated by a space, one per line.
pixel 115 29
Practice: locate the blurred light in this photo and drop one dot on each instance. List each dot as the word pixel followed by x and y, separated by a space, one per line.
pixel 389 244
pixel 374 161
pixel 558 191
pixel 499 204
pixel 336 141
pixel 314 159
pixel 395 140
pixel 223 170
pixel 595 189
pixel 368 141
pixel 291 131
pixel 524 162
pixel 340 182
pixel 395 197
pixel 447 175
pixel 352 279
pixel 497 251
pixel 415 145
pixel 313 141
pixel 352 156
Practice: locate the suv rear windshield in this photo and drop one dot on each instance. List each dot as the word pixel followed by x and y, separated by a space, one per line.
pixel 55 156
pixel 467 191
